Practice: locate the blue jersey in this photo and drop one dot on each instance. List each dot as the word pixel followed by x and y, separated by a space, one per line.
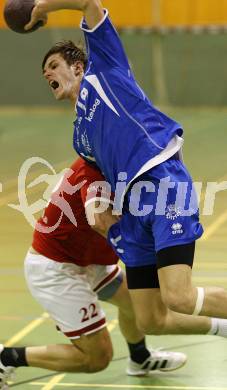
pixel 117 126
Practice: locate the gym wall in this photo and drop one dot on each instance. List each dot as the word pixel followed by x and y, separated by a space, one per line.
pixel 175 61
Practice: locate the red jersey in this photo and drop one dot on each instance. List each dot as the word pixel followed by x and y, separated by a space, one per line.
pixel 63 233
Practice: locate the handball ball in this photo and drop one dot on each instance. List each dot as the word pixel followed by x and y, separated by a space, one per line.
pixel 17 14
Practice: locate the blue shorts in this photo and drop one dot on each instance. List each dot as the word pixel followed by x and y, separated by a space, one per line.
pixel 160 211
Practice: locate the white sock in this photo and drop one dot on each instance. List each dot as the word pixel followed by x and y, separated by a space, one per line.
pixel 218 327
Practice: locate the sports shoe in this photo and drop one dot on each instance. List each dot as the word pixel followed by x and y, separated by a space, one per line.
pixel 5 372
pixel 158 361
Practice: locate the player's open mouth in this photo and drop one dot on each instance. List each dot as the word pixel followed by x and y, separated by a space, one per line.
pixel 54 84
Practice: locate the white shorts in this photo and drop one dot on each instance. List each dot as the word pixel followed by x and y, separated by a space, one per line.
pixel 69 292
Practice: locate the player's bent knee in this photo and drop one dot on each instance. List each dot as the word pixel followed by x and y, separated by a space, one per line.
pixel 101 354
pixel 95 352
pixel 91 364
pixel 98 365
pixel 99 362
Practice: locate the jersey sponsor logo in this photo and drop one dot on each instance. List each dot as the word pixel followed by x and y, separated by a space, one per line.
pixel 93 110
pixel 172 212
pixel 177 228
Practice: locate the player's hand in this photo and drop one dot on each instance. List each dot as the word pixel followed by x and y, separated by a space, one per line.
pixel 39 13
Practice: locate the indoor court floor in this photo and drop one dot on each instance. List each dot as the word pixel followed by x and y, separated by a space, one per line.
pixel 47 134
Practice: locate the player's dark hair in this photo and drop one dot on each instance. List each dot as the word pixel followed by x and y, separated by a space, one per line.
pixel 69 51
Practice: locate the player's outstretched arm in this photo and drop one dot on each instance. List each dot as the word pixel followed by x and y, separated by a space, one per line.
pixel 92 10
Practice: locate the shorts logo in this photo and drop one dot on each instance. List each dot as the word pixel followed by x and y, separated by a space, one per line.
pixel 172 212
pixel 177 228
pixel 84 94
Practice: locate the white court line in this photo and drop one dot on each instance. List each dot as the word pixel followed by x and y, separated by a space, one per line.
pixel 111 325
pixel 210 230
pixel 131 386
pixel 214 226
pixel 25 331
pixel 53 382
